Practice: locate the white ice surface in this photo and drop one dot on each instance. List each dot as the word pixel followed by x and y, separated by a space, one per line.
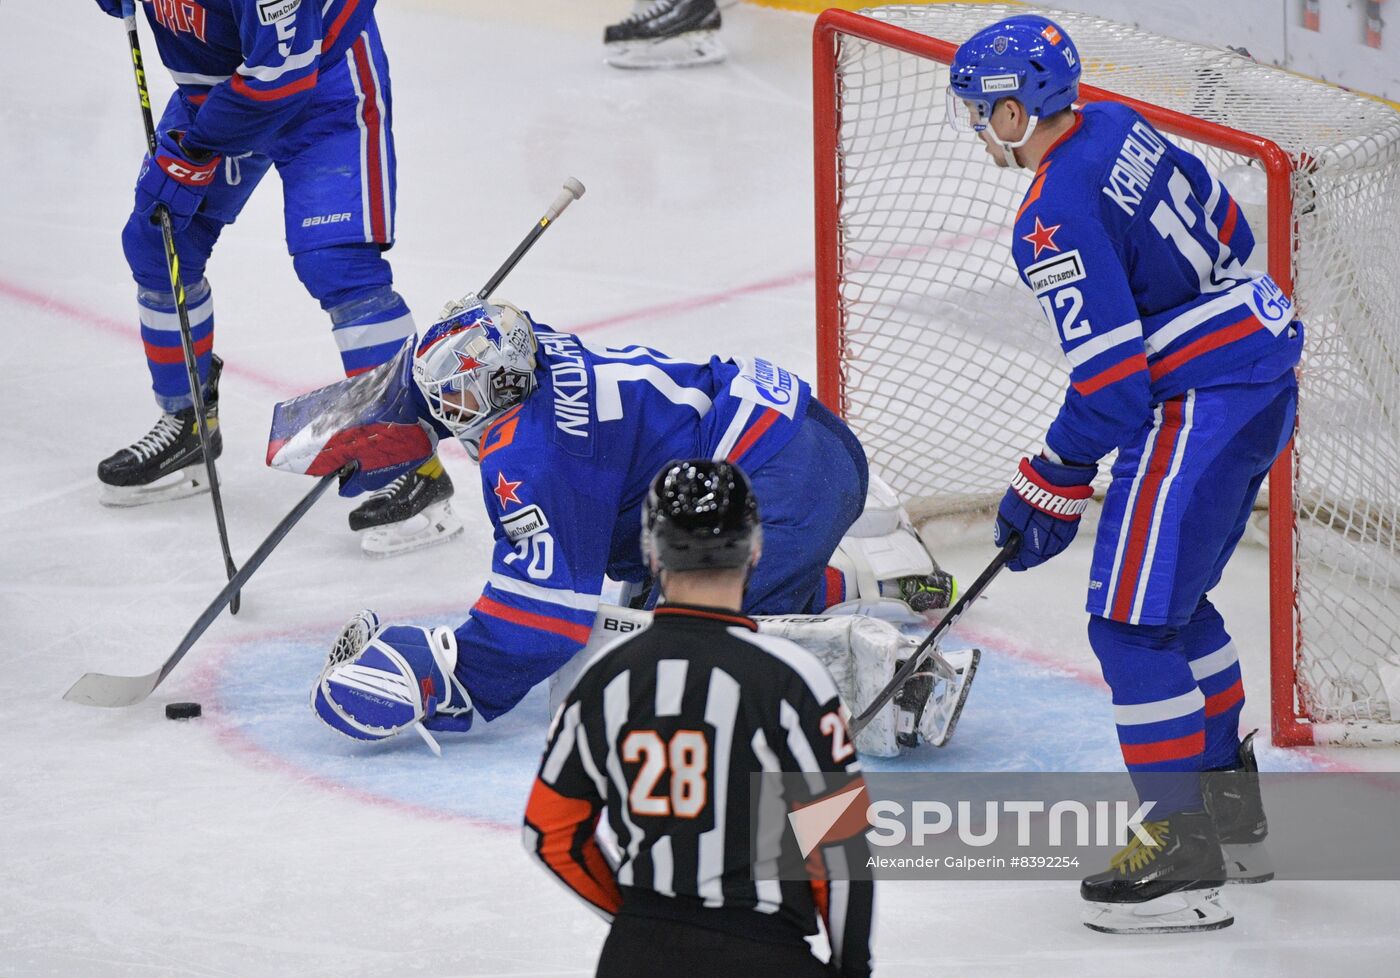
pixel 254 843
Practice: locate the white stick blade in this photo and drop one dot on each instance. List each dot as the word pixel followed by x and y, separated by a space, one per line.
pixel 98 689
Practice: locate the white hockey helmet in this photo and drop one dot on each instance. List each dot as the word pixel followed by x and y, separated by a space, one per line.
pixel 474 364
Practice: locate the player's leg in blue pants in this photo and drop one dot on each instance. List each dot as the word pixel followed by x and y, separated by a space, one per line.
pixel 1175 511
pixel 144 245
pixel 339 180
pixel 809 494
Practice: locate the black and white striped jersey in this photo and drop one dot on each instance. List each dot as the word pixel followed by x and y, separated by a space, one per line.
pixel 663 731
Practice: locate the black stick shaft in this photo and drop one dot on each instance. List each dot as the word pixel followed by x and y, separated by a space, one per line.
pixel 572 191
pixel 930 642
pixel 177 286
pixel 230 590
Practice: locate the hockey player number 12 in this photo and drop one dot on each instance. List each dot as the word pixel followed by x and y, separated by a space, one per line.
pixel 687 756
pixel 1070 296
pixel 1173 222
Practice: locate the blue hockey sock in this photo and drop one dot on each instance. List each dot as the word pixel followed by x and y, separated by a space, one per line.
pixel 370 329
pixel 1158 708
pixel 354 284
pixel 160 331
pixel 1216 666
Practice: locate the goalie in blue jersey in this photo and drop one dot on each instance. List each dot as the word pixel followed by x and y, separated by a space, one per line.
pixel 568 439
pixel 1181 358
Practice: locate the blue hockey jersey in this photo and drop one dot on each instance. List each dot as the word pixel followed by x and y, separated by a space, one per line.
pixel 564 477
pixel 1135 253
pixel 249 65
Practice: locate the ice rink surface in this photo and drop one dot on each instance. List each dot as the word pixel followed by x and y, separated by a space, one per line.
pixel 253 842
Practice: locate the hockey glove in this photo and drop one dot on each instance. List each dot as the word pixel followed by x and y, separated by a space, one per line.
pixel 112 8
pixel 178 178
pixel 380 680
pixel 1043 504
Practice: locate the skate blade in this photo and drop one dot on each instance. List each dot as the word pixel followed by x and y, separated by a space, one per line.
pixel 1180 912
pixel 436 524
pixel 952 694
pixel 189 481
pixel 1249 863
pixel 685 51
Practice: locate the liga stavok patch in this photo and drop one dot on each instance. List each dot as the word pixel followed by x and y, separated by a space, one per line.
pixel 271 11
pixel 524 523
pixel 1001 83
pixel 1055 272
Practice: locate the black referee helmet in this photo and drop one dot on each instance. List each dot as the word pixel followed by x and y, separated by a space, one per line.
pixel 701 515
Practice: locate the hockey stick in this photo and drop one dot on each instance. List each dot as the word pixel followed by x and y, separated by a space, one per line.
pixel 572 191
pixel 930 642
pixel 177 286
pixel 99 689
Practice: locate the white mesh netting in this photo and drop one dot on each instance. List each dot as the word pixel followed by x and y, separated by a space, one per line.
pixel 949 372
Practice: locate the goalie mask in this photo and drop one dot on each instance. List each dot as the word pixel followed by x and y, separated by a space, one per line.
pixel 701 515
pixel 474 364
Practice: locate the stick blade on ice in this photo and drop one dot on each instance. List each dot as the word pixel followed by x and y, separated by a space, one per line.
pixel 99 689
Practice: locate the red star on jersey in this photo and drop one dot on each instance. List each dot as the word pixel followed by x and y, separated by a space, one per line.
pixel 505 490
pixel 1042 237
pixel 465 362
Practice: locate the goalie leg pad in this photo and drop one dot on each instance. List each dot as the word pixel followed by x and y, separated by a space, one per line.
pixel 860 653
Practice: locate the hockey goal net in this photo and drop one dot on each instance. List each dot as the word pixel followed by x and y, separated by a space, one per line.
pixel 939 357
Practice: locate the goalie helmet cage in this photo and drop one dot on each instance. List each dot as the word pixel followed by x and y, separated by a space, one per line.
pixel 931 347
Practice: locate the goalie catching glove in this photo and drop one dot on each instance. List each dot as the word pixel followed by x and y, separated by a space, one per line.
pixel 1043 504
pixel 379 680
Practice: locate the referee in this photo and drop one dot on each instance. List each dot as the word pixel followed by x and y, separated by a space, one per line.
pixel 662 731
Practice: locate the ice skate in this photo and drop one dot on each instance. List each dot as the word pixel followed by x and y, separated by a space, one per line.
pixel 1172 885
pixel 928 705
pixel 410 513
pixel 666 34
pixel 1233 799
pixel 167 462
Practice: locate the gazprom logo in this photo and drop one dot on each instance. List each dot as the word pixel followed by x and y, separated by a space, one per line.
pixel 1270 303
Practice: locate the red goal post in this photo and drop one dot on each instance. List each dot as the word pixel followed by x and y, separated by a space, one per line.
pixel 875 122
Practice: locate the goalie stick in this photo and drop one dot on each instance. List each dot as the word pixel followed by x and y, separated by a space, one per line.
pixel 100 689
pixel 930 643
pixel 177 287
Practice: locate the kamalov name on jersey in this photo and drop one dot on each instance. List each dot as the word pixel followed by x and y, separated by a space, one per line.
pixel 1132 172
pixel 1055 272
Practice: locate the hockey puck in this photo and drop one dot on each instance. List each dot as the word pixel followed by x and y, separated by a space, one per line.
pixel 182 711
